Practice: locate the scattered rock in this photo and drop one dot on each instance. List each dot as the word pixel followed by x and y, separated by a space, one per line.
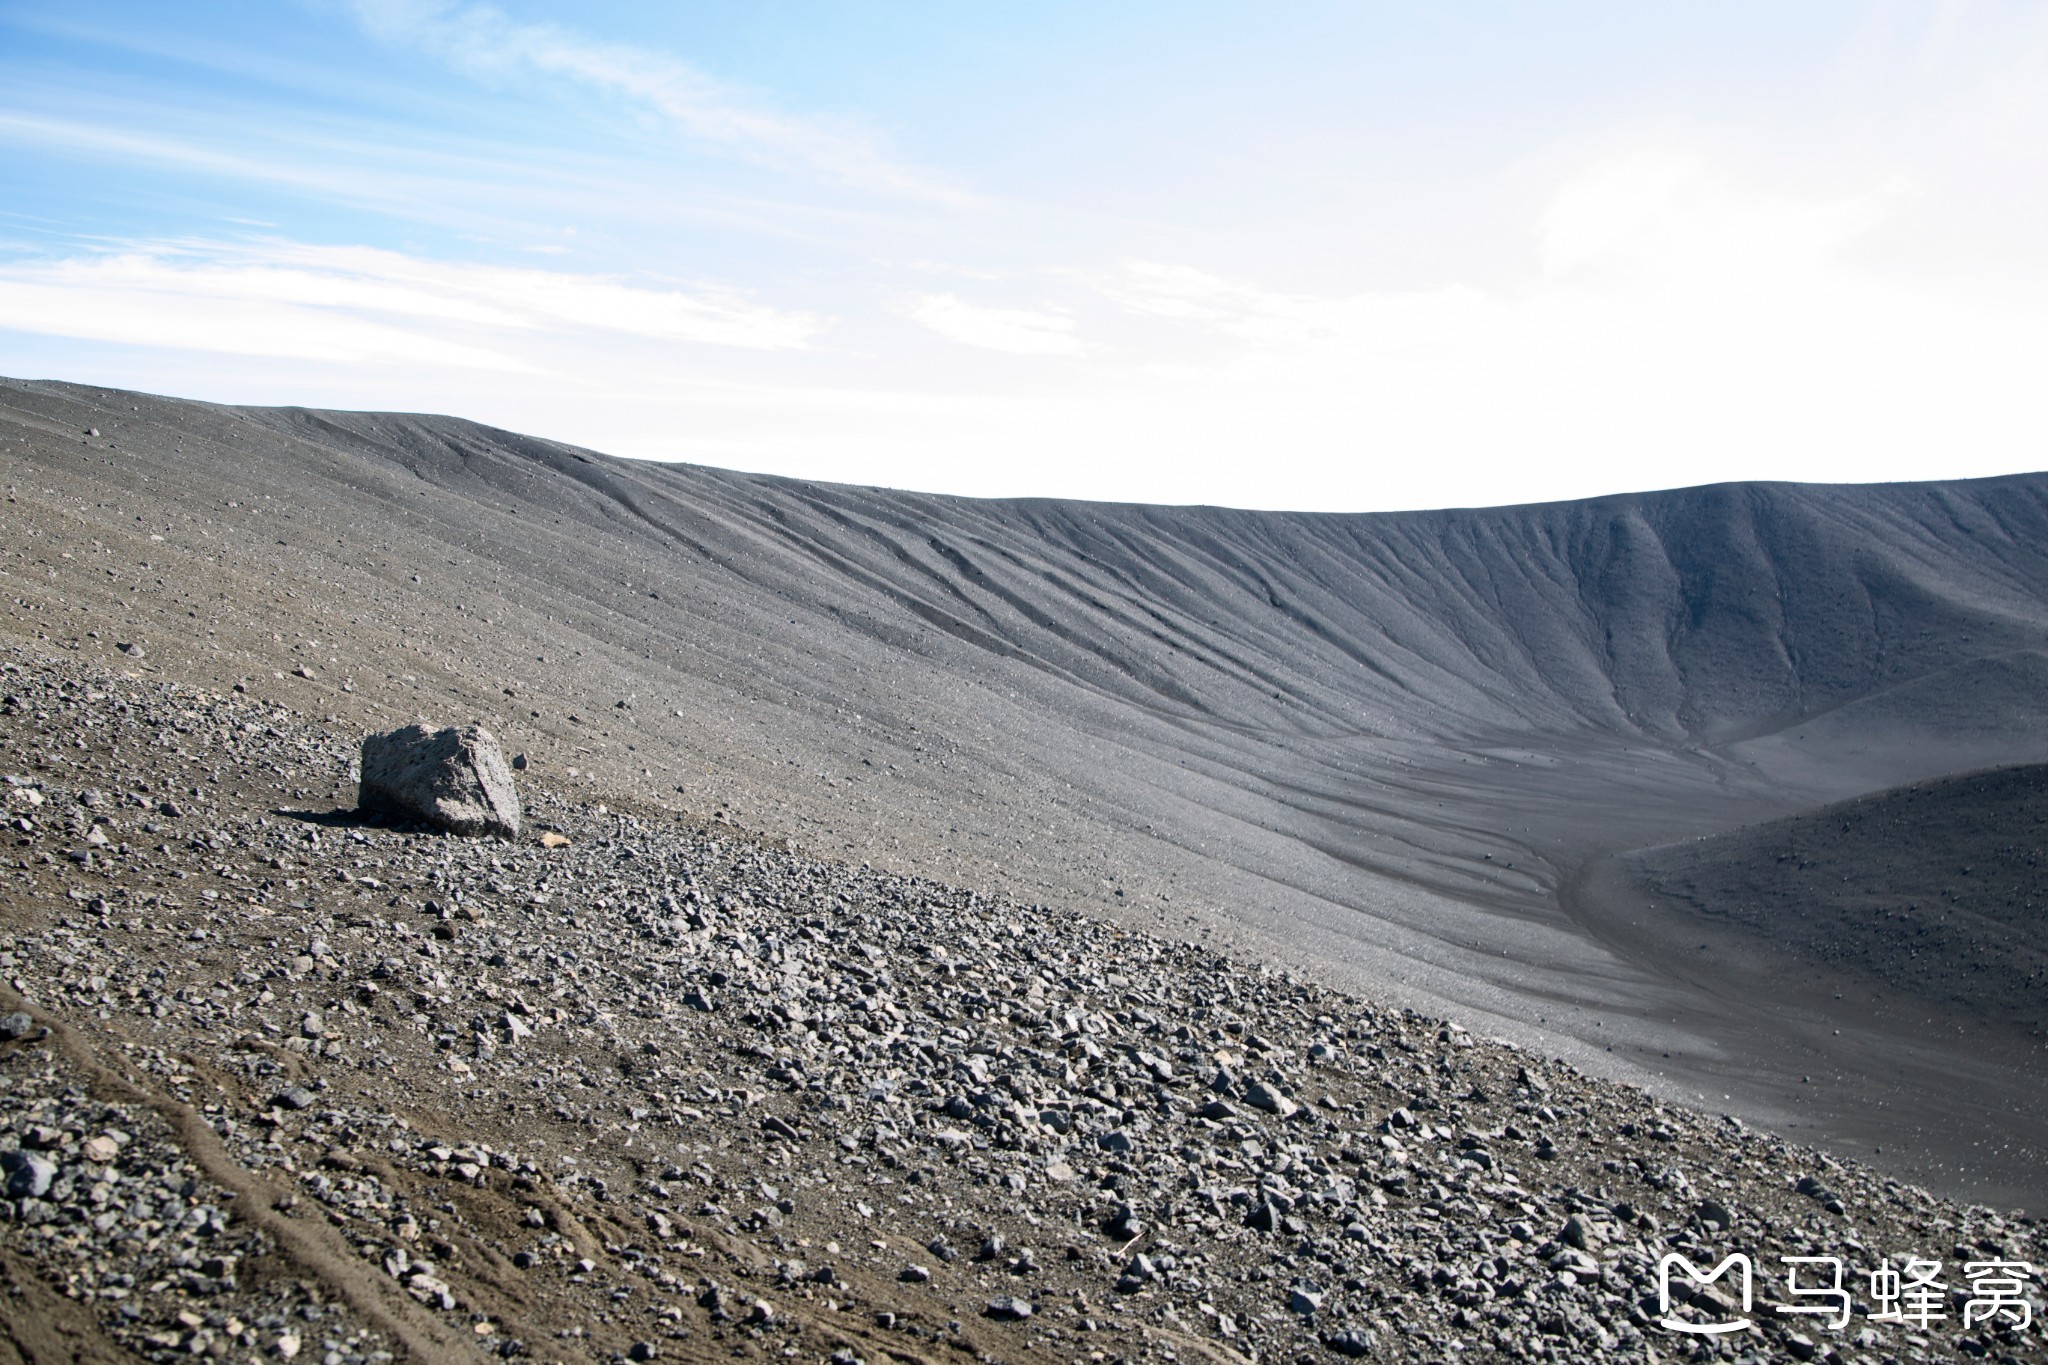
pixel 1262 1096
pixel 937 1053
pixel 29 1174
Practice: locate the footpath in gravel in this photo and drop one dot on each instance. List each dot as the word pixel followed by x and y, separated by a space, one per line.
pixel 277 1082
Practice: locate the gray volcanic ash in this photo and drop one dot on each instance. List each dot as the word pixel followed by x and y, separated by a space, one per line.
pixel 1378 749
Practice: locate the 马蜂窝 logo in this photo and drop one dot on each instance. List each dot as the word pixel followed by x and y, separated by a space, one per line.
pixel 1702 1279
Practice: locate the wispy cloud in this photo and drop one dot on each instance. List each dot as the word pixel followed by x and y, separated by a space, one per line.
pixel 362 305
pixel 1016 330
pixel 470 188
pixel 1266 320
pixel 485 41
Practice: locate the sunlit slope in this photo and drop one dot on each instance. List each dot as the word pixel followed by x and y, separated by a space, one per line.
pixel 1373 746
pixel 1688 615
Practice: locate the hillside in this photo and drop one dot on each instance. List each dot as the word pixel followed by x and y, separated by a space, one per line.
pixel 281 1082
pixel 1373 748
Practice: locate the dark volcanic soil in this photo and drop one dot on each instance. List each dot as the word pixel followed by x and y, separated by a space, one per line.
pixel 1933 894
pixel 294 1085
pixel 1904 926
pixel 1375 748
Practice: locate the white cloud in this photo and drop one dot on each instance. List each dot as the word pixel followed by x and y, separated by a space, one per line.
pixel 362 305
pixel 1682 316
pixel 1658 214
pixel 484 41
pixel 1018 331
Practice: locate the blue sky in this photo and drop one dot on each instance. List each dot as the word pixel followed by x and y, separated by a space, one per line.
pixel 1336 256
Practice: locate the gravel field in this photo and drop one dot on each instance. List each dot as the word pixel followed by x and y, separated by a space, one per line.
pixel 647 1085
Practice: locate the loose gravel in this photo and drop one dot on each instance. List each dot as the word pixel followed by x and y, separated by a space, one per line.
pixel 642 1085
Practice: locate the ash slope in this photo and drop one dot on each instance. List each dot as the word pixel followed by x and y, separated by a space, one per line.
pixel 1376 746
pixel 1931 895
pixel 1889 944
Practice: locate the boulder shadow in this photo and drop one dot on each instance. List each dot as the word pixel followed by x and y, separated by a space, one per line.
pixel 356 817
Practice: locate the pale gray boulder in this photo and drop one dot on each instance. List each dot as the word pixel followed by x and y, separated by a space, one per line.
pixel 455 779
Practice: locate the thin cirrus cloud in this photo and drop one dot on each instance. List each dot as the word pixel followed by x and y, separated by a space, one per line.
pixel 484 41
pixel 1018 331
pixel 363 305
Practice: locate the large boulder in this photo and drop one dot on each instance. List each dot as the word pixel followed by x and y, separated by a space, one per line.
pixel 455 779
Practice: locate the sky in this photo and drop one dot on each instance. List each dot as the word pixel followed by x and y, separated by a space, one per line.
pixel 1321 256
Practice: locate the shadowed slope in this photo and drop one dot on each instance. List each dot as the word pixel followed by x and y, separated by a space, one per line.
pixel 1377 746
pixel 1929 896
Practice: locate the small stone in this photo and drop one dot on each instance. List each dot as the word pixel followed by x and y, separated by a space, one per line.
pixel 16 1025
pixel 29 1174
pixel 1008 1308
pixel 293 1097
pixel 1304 1301
pixel 1352 1341
pixel 915 1274
pixel 431 1291
pixel 1263 1096
pixel 642 1350
pixel 1579 1263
